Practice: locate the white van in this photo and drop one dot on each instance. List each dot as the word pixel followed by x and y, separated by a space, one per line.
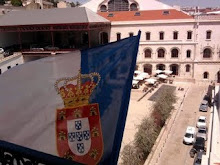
pixel 190 135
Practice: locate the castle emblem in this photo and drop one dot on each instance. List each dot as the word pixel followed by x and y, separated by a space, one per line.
pixel 78 126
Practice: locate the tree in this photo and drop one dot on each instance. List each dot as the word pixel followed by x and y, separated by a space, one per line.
pixel 16 2
pixel 72 4
pixel 77 4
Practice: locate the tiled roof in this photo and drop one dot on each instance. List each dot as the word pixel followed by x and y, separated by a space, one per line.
pixel 145 15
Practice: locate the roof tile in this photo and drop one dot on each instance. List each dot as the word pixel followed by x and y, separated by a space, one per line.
pixel 145 15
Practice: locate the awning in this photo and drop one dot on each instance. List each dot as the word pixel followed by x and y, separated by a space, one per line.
pixel 137 72
pixel 163 76
pixel 167 71
pixel 144 75
pixel 134 82
pixel 138 78
pixel 158 71
pixel 151 81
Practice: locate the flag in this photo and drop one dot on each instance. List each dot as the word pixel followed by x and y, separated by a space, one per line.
pixel 73 105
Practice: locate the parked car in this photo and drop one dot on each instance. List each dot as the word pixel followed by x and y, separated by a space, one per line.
pixel 199 145
pixel 204 106
pixel 198 158
pixel 202 132
pixel 189 137
pixel 201 122
pixel 50 47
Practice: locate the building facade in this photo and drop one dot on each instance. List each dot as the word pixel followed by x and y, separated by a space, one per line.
pixel 10 62
pixel 170 39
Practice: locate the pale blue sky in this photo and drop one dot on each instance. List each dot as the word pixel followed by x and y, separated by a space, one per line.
pixel 201 3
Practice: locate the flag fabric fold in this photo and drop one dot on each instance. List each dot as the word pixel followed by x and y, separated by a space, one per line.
pixel 44 107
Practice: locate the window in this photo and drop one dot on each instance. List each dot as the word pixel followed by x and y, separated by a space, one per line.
pixel 147 53
pixel 133 7
pixel 189 35
pixel 0 71
pixel 131 34
pixel 188 53
pixel 161 35
pixel 207 53
pixel 187 68
pixel 118 36
pixel 205 75
pixel 174 53
pixel 160 53
pixel 208 35
pixel 137 14
pixel 110 15
pixel 148 36
pixel 9 67
pixel 16 64
pixel 166 12
pixel 175 35
pixel 103 8
pixel 118 5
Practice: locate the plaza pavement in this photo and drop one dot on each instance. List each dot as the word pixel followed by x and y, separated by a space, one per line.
pixel 142 109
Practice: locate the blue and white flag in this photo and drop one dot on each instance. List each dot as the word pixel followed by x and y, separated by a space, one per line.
pixel 73 105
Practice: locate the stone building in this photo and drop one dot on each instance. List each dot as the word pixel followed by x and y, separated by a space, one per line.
pixel 170 39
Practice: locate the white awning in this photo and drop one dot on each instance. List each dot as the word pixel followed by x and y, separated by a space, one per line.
pixel 137 72
pixel 151 81
pixel 144 75
pixel 134 82
pixel 167 71
pixel 158 71
pixel 163 76
pixel 138 78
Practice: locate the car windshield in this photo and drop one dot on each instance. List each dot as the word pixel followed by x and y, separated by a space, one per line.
pixel 188 135
pixel 202 131
pixel 201 120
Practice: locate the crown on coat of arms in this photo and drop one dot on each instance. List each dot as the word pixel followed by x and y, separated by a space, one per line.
pixel 79 94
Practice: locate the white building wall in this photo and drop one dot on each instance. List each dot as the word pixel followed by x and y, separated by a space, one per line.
pixel 198 65
pixel 12 61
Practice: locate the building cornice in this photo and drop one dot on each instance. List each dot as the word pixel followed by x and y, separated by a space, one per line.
pixel 167 43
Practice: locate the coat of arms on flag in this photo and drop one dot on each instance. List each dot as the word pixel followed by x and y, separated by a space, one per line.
pixel 78 127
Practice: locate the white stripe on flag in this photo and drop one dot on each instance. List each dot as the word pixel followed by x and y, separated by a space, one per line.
pixel 28 101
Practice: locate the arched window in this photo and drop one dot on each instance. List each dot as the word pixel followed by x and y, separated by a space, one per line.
pixel 174 53
pixel 205 75
pixel 103 8
pixel 188 53
pixel 207 53
pixel 118 5
pixel 133 7
pixel 161 53
pixel 187 68
pixel 147 53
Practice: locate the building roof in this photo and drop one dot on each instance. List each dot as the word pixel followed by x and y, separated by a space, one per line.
pixel 143 5
pixel 51 16
pixel 145 15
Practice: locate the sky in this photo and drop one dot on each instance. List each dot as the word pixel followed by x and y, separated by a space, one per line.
pixel 200 3
pixel 183 3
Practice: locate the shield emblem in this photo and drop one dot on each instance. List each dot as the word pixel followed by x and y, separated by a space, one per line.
pixel 79 135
